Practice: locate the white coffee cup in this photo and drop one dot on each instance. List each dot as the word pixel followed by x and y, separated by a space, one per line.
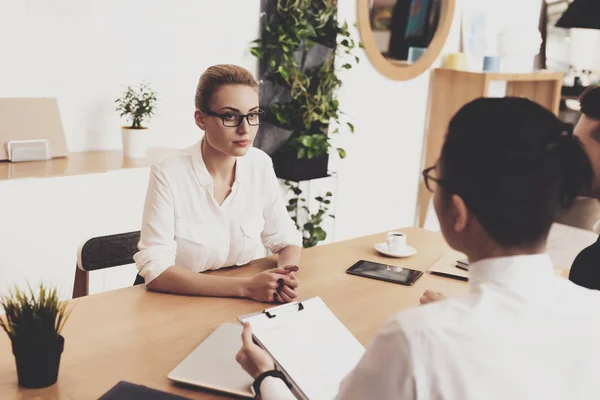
pixel 396 241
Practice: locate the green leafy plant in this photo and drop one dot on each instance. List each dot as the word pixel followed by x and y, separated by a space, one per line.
pixel 312 111
pixel 292 29
pixel 33 319
pixel 137 104
pixel 312 232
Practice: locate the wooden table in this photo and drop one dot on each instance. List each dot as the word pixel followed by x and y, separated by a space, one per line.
pixel 138 336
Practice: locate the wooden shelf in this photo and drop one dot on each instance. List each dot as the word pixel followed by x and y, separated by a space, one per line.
pixel 80 163
pixel 509 77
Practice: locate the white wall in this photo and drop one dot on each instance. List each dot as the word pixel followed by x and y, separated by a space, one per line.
pixel 85 51
pixel 378 180
pixel 585 49
pixel 43 222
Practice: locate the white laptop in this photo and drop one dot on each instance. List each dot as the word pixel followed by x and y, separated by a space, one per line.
pixel 212 364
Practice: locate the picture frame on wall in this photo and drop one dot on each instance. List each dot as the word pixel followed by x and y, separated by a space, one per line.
pixel 474 34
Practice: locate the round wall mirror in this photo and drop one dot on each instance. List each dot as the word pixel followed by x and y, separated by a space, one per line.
pixel 403 38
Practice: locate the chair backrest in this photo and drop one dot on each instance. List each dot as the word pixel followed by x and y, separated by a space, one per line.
pixel 108 251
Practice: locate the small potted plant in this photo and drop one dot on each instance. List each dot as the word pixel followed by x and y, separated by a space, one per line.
pixel 34 326
pixel 138 105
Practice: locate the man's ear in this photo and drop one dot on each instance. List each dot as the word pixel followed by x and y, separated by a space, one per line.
pixel 461 218
pixel 199 118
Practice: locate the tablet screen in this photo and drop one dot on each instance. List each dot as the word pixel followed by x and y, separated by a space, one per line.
pixel 385 272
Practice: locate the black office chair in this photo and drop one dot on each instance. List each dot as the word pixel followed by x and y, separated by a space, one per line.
pixel 585 270
pixel 104 252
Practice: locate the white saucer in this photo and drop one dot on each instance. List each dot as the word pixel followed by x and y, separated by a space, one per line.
pixel 406 252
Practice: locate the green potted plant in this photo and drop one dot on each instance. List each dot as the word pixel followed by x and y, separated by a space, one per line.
pixel 138 105
pixel 34 324
pixel 302 49
pixel 300 42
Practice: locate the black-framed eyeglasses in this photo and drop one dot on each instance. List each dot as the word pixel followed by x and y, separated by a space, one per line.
pixel 430 178
pixel 232 119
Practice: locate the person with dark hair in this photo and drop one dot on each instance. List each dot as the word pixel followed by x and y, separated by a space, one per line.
pixel 585 270
pixel 520 332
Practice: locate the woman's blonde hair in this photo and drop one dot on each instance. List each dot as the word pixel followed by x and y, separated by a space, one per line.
pixel 218 75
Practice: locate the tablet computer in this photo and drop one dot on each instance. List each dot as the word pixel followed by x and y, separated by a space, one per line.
pixel 385 272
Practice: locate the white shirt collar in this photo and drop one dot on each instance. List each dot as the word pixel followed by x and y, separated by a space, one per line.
pixel 202 172
pixel 523 274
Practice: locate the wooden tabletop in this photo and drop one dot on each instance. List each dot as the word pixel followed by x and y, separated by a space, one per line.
pixel 79 163
pixel 139 336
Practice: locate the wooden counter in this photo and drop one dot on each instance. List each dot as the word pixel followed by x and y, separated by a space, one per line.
pixel 80 163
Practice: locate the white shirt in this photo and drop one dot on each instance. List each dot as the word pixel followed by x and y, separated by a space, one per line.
pixel 519 333
pixel 183 225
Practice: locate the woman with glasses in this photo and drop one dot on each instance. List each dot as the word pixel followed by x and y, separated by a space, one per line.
pixel 212 206
pixel 519 331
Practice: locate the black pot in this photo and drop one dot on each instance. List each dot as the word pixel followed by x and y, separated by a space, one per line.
pixel 37 364
pixel 290 168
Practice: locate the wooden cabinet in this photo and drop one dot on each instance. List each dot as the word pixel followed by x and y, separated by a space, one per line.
pixel 451 89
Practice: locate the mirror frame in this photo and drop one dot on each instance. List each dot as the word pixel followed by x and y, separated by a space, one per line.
pixel 404 72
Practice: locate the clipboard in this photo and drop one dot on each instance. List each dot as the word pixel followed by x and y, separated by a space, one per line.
pixel 309 344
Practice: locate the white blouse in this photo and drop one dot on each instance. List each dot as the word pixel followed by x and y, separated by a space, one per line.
pixel 183 224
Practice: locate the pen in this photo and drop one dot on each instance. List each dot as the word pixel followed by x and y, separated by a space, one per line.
pixel 464 268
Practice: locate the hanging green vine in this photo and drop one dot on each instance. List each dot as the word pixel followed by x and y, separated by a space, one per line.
pixel 291 29
pixel 289 32
pixel 312 232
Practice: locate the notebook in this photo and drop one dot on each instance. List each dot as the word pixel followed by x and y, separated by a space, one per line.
pixel 212 364
pixel 129 391
pixel 446 266
pixel 309 345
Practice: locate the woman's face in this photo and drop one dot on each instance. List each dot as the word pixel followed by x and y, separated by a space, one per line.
pixel 230 101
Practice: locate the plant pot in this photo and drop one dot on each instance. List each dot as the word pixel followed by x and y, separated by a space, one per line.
pixel 37 365
pixel 135 142
pixel 271 138
pixel 288 167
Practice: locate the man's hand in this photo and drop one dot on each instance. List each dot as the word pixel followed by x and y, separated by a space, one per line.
pixel 430 297
pixel 251 357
